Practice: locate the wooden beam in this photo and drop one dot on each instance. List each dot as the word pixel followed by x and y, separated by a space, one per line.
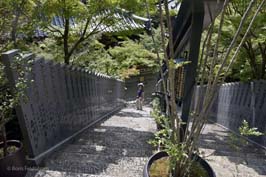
pixel 191 69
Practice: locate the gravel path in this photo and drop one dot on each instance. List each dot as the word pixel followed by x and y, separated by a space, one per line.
pixel 116 147
pixel 227 160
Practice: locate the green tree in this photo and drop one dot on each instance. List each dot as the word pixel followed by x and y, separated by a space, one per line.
pixel 251 62
pixel 68 10
pixel 50 48
pixel 5 19
pixel 93 56
pixel 121 61
pixel 147 42
pixel 16 19
pixel 90 18
pixel 132 56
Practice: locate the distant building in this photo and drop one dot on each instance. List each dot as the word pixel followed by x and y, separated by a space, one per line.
pixel 125 22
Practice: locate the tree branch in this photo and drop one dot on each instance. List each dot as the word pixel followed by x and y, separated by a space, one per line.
pixel 53 29
pixel 84 36
pixel 232 44
pixel 246 33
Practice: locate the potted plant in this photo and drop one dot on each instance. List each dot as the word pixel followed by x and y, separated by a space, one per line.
pixel 177 140
pixel 12 157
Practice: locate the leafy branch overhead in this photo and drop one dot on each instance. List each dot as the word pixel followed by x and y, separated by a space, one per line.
pixel 121 61
pixel 81 20
pixel 251 61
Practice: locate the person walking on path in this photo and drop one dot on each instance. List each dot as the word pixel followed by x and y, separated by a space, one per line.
pixel 140 96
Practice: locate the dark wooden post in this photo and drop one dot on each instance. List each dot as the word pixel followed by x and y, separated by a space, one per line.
pixel 191 70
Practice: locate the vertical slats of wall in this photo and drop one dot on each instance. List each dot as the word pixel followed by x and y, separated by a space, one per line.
pixel 260 109
pixel 236 102
pixel 62 100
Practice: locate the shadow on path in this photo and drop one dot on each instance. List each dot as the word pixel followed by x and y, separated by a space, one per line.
pixel 116 147
pixel 226 159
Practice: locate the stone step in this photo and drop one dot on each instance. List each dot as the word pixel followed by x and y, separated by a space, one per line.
pixel 97 164
pixel 52 173
pixel 103 150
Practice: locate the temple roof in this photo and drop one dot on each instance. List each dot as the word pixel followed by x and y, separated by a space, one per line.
pixel 125 21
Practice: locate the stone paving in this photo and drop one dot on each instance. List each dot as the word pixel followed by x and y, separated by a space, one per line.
pixel 118 147
pixel 227 160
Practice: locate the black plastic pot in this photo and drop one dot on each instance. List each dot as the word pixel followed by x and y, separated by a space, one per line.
pixel 162 154
pixel 13 165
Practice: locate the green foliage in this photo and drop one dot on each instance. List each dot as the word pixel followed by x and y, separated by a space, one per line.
pixel 16 20
pixel 251 60
pixel 10 150
pixel 250 63
pixel 132 54
pixel 90 19
pixel 246 130
pixel 138 6
pixel 147 42
pixel 155 113
pixel 65 9
pixel 93 56
pixel 49 48
pixel 120 61
pixel 179 149
pixel 162 137
pixel 10 98
pixel 181 64
pixel 237 142
pixel 72 35
pixel 5 24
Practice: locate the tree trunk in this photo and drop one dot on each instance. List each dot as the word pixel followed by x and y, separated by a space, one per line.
pixel 66 33
pixel 17 12
pixel 14 29
pixel 263 56
pixel 251 59
pixel 66 59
